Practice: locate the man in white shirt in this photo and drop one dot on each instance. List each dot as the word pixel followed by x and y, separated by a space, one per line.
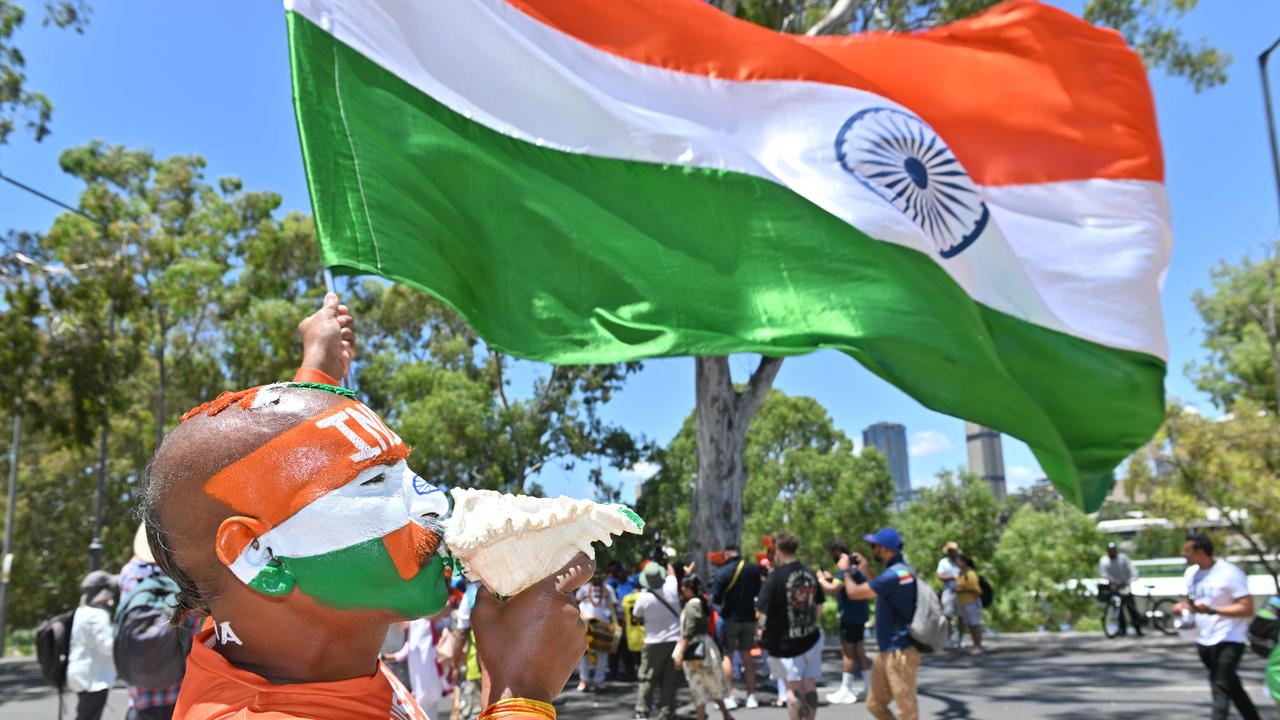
pixel 1218 594
pixel 658 608
pixel 91 669
pixel 948 571
pixel 1116 569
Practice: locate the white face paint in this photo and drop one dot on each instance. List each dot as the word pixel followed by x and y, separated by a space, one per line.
pixel 379 501
pixel 225 635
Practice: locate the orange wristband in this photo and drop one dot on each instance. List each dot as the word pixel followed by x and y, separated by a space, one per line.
pixel 314 375
pixel 518 709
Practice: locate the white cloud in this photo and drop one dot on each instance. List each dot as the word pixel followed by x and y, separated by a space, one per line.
pixel 642 470
pixel 929 442
pixel 1021 475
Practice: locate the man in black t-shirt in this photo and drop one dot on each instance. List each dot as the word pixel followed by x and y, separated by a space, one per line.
pixel 734 591
pixel 790 602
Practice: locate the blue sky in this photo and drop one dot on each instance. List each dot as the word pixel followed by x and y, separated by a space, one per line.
pixel 213 79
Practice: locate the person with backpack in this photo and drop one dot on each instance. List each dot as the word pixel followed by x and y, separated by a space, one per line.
pixel 789 604
pixel 90 668
pixel 897 594
pixel 969 602
pixel 735 587
pixel 149 651
pixel 657 609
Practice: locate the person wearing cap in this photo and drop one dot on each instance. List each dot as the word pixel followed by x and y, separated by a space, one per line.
pixel 145 703
pixel 893 675
pixel 1116 570
pixel 948 572
pixel 91 670
pixel 658 609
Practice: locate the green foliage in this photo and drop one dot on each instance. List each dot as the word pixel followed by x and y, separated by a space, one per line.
pixel 1239 337
pixel 1040 551
pixel 450 398
pixel 1228 466
pixel 1149 26
pixel 20 106
pixel 960 507
pixel 803 476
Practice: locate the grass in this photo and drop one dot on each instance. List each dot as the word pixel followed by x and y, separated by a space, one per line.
pixel 20 643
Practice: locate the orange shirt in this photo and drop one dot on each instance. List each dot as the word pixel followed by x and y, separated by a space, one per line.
pixel 214 689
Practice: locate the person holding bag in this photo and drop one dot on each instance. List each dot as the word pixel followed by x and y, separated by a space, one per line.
pixel 697 653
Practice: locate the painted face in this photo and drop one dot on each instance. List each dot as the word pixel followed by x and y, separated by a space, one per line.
pixel 333 509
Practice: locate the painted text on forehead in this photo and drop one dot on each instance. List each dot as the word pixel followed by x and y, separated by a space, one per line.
pixel 320 454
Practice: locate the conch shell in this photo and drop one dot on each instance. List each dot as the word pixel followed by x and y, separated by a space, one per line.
pixel 509 542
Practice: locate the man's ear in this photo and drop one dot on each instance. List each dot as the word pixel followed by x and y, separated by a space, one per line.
pixel 240 547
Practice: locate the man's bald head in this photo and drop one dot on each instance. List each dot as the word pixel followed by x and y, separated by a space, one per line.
pixel 182 519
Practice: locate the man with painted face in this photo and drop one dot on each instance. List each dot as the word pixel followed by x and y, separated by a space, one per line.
pixel 287 513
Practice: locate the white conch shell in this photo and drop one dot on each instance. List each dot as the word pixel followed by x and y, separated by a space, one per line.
pixel 509 542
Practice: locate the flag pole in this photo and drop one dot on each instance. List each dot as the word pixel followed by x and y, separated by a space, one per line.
pixel 329 286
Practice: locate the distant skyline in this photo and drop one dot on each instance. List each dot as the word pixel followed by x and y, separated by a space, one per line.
pixel 140 76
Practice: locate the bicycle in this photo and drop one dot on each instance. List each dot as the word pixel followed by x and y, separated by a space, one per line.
pixel 1158 615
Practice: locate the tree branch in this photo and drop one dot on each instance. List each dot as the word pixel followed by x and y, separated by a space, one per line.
pixel 750 400
pixel 836 19
pixel 502 393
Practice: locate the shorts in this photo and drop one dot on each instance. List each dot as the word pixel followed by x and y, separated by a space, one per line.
pixel 949 602
pixel 805 666
pixel 853 633
pixel 739 636
pixel 971 614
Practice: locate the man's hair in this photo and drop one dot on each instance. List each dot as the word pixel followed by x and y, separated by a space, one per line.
pixel 732 547
pixel 190 598
pixel 786 543
pixel 836 545
pixel 1200 541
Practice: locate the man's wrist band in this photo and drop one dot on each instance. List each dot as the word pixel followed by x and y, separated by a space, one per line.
pixel 513 708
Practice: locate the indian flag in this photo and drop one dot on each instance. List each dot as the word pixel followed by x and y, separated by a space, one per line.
pixel 974 212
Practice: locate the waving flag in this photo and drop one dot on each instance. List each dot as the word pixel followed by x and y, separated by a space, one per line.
pixel 975 212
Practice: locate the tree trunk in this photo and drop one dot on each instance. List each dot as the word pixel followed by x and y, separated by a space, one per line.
pixel 723 416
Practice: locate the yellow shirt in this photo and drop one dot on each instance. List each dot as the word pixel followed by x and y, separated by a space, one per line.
pixel 967 588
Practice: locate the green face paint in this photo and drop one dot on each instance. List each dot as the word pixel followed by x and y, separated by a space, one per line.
pixel 363 576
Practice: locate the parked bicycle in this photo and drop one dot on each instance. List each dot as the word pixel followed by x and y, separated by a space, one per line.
pixel 1157 616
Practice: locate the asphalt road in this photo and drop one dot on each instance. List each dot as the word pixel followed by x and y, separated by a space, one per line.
pixel 1024 677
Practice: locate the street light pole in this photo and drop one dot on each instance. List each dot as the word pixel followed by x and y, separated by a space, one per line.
pixel 1271 119
pixel 6 562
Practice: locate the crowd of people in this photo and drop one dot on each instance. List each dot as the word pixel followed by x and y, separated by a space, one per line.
pixel 651 624
pixel 659 621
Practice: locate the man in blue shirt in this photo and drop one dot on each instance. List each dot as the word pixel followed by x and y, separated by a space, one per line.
pixel 893 676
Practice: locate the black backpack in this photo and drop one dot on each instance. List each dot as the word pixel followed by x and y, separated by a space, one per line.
pixel 1263 632
pixel 988 592
pixel 149 651
pixel 53 645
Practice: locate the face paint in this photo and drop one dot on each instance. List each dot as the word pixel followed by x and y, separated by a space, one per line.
pixel 336 512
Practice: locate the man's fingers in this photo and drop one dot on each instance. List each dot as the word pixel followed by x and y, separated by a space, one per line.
pixel 574 574
pixel 331 300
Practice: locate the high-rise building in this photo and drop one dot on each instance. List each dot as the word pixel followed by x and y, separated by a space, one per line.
pixel 891 440
pixel 986 457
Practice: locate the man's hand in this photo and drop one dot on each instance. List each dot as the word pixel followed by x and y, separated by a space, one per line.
pixel 329 338
pixel 844 563
pixel 529 645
